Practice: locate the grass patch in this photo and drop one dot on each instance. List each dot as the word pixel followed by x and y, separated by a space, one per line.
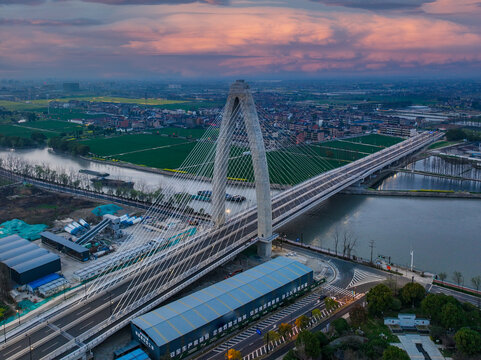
pixel 17 130
pixel 122 100
pixel 376 139
pixel 187 133
pixel 442 143
pixel 169 157
pixel 23 105
pixel 53 125
pixel 128 143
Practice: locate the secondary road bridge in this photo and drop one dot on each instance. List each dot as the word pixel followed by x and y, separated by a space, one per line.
pixel 74 327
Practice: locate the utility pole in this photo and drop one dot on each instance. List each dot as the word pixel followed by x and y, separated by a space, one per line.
pixel 371 245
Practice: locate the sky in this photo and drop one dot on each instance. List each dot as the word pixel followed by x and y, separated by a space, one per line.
pixel 187 39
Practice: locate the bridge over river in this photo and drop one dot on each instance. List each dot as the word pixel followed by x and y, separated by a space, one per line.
pixel 75 326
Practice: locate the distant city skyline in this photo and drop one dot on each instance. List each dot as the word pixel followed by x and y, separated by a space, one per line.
pixel 184 39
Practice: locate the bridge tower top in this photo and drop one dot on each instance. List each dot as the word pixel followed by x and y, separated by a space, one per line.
pixel 240 102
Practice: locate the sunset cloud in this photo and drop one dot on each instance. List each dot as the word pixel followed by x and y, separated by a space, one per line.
pixel 211 39
pixel 376 4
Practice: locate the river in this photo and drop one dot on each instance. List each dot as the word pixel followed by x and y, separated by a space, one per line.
pixel 143 180
pixel 444 233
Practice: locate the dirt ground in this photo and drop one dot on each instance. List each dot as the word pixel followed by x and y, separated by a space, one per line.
pixel 36 206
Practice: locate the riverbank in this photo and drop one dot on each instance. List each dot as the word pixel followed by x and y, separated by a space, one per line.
pixel 173 172
pixel 412 193
pixel 419 276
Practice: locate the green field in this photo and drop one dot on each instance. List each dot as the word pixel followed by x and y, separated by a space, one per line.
pixel 49 128
pixel 16 130
pixel 41 105
pixel 169 157
pixel 287 166
pixel 128 143
pixel 68 114
pixel 22 106
pixel 188 133
pixel 53 125
pixel 376 139
pixel 122 100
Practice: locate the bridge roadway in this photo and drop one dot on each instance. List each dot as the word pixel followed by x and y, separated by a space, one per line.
pixel 83 324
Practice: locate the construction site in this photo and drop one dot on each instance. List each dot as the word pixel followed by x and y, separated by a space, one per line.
pixel 51 243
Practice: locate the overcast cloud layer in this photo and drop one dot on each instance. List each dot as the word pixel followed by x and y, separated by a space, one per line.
pixel 208 38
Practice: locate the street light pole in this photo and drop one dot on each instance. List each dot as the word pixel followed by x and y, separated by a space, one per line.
pixel 4 331
pixel 110 301
pixel 30 346
pixel 18 315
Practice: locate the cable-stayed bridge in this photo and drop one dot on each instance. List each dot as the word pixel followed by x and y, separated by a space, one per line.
pixel 241 150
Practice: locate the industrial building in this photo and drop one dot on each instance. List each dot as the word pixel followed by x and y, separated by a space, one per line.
pixel 183 326
pixel 68 247
pixel 27 261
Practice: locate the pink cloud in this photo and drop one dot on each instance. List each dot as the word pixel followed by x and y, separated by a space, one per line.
pixel 235 40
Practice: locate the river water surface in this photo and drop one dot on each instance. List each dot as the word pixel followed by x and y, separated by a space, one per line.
pixel 445 234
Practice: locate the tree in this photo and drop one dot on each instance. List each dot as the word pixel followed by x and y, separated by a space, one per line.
pixel 271 336
pixel 468 341
pixel 396 304
pixel 412 294
pixel 285 330
pixel 433 303
pixel 476 281
pixel 336 237
pixel 307 345
pixel 323 339
pixel 316 313
pixel 340 325
pixel 331 304
pixel 233 354
pixel 379 299
pixel 291 355
pixel 302 322
pixel 442 276
pixel 358 315
pixel 455 135
pixel 457 277
pixel 452 316
pixel 394 353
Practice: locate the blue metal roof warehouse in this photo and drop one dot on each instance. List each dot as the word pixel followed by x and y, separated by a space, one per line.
pixel 27 261
pixel 194 320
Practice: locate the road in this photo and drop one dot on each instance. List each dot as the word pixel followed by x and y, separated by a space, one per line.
pixel 249 340
pixel 435 289
pixel 282 351
pixel 72 325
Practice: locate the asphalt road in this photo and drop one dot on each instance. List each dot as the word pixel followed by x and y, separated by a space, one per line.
pixel 78 320
pixel 282 351
pixel 435 289
pixel 254 341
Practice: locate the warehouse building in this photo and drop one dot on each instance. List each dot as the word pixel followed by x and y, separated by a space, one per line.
pixel 183 326
pixel 66 246
pixel 27 261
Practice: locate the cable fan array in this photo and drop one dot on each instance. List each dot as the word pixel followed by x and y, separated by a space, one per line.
pixel 177 228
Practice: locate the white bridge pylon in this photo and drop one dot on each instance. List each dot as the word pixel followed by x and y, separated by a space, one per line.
pixel 240 101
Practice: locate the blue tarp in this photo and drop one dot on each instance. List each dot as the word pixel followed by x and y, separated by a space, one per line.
pixel 135 355
pixel 44 280
pixel 106 209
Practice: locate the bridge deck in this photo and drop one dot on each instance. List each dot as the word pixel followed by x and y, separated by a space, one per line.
pixel 88 323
